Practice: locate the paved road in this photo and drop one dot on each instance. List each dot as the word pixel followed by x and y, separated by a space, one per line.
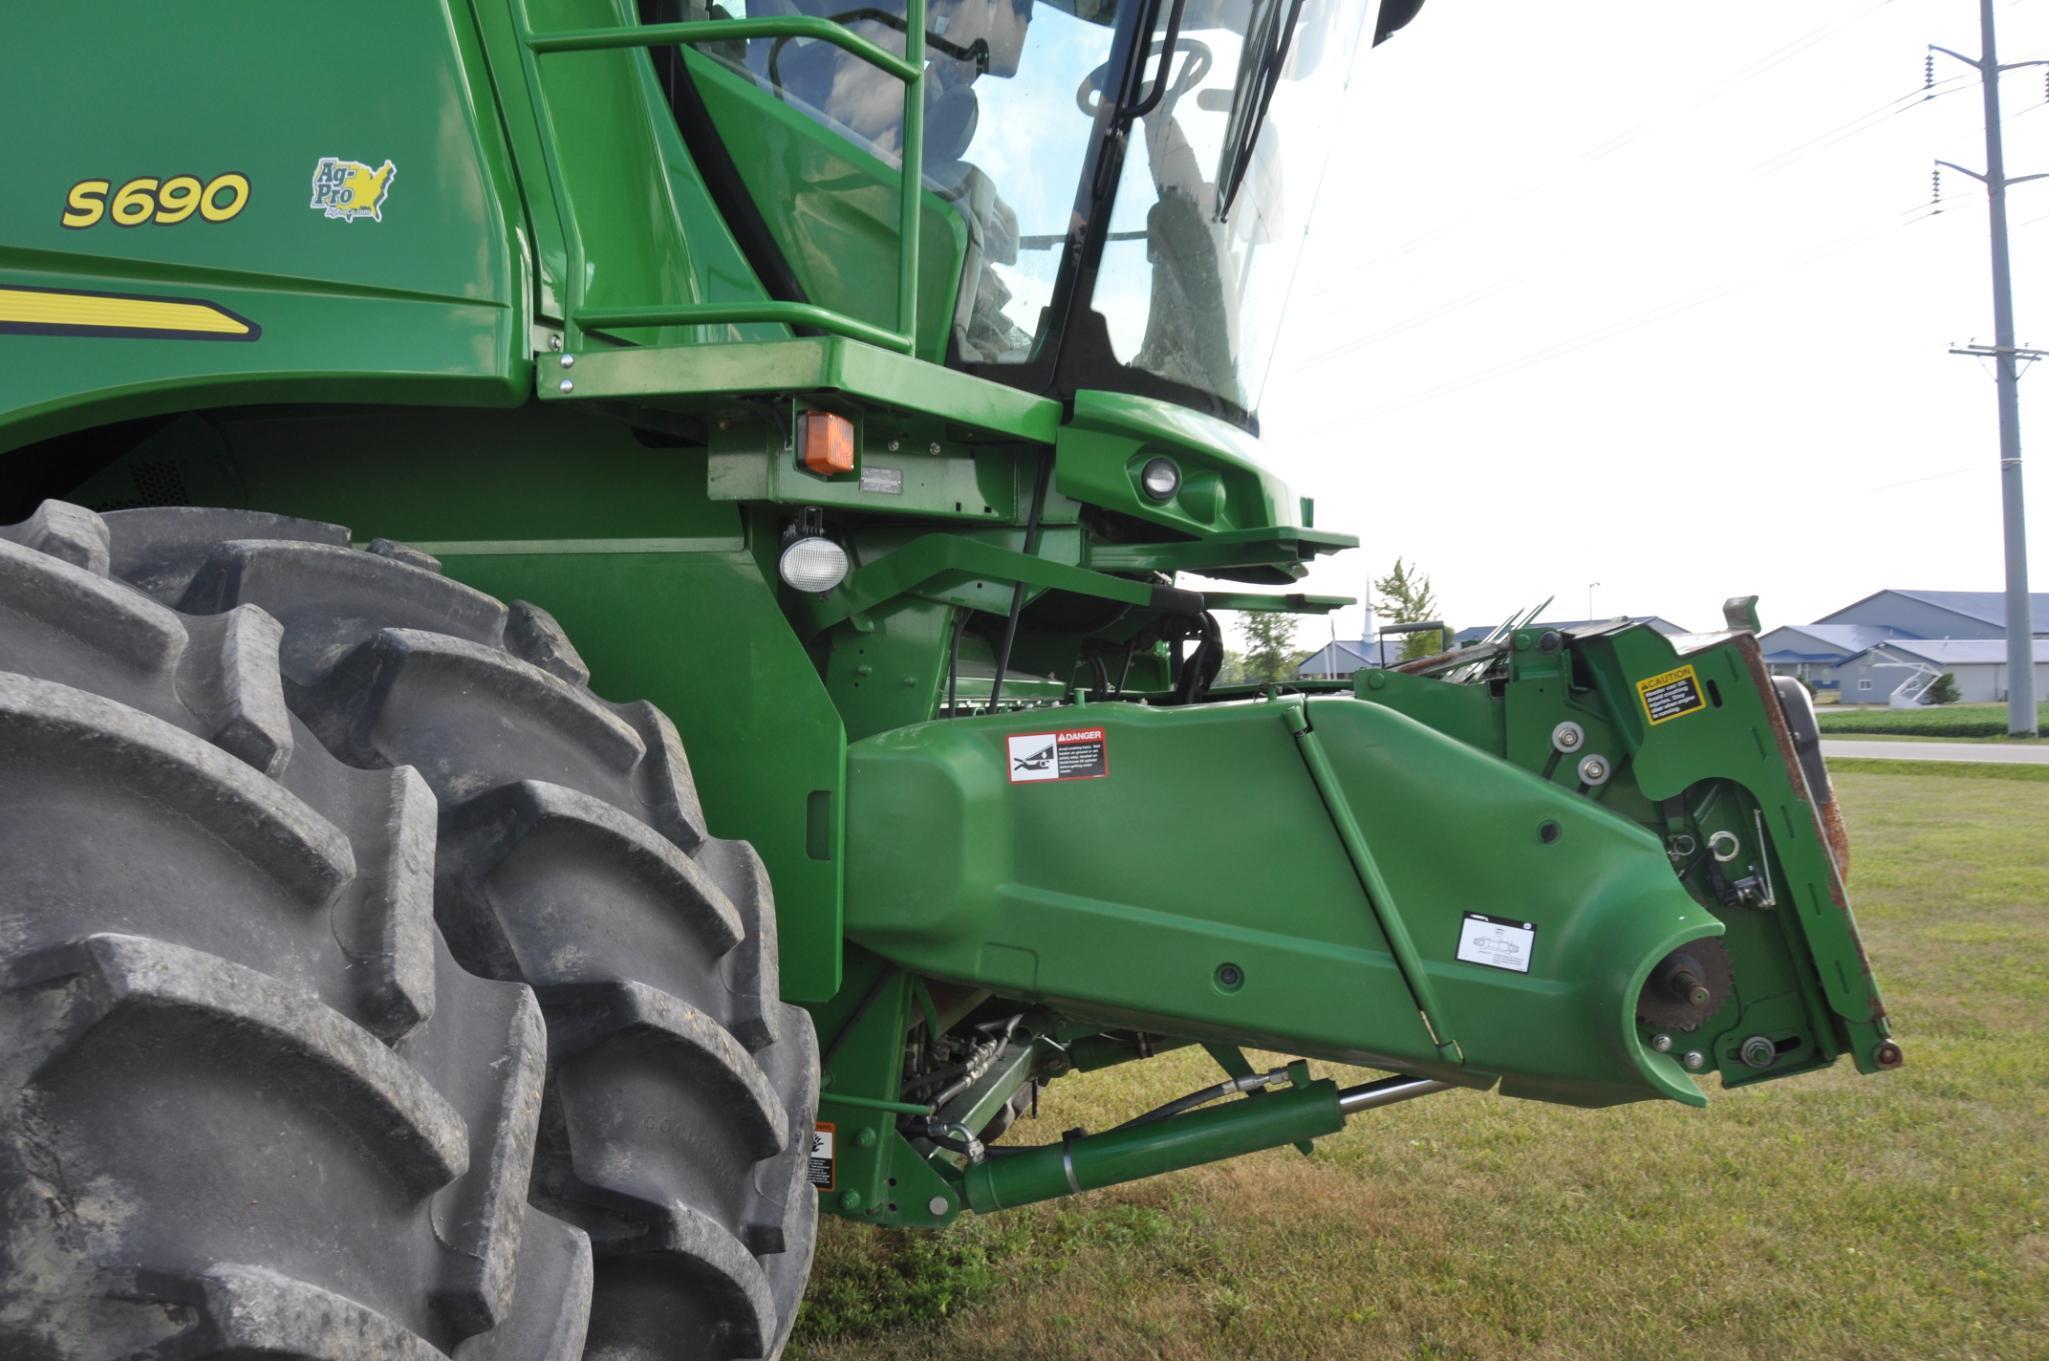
pixel 2018 753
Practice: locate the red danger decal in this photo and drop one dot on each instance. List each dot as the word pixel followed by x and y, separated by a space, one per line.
pixel 1075 754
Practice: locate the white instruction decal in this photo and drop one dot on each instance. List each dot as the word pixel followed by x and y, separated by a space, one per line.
pixel 1497 942
pixel 1076 754
pixel 822 1168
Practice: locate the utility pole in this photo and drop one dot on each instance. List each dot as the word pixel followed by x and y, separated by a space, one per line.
pixel 1366 634
pixel 2020 645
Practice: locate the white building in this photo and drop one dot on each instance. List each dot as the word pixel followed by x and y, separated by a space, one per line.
pixel 1977 664
pixel 1818 653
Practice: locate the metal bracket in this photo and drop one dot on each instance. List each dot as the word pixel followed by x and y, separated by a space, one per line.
pixel 936 562
pixel 1378 896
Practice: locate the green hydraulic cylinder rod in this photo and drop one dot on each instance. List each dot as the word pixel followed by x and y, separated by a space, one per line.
pixel 1085 1162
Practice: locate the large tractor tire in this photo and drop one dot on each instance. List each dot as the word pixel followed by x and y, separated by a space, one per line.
pixel 368 988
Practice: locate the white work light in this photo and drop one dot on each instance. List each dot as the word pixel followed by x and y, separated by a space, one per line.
pixel 812 564
pixel 1161 479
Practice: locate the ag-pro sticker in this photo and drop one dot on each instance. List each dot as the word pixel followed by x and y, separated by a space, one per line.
pixel 1671 694
pixel 1070 754
pixel 346 190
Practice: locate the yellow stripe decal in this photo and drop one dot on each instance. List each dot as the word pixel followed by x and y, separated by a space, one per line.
pixel 53 312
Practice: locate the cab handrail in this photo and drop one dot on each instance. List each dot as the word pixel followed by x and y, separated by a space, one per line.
pixel 908 68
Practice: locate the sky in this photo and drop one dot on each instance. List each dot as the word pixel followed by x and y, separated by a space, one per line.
pixel 1652 295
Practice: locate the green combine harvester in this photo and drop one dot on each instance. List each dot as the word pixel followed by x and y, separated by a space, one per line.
pixel 370 987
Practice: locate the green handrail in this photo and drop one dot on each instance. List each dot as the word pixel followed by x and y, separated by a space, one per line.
pixel 713 30
pixel 909 68
pixel 715 313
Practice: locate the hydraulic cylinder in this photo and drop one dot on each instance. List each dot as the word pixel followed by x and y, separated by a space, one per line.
pixel 1084 1162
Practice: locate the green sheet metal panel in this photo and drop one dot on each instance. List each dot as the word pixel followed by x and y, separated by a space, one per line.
pixel 700 635
pixel 1111 436
pixel 1121 897
pixel 423 299
pixel 1736 733
pixel 687 375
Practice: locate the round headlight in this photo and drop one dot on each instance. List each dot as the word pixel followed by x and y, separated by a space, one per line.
pixel 1160 480
pixel 812 564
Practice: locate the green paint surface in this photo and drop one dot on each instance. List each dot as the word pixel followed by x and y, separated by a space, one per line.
pixel 424 375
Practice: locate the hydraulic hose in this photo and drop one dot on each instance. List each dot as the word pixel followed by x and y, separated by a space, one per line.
pixel 1017 592
pixel 1228 1087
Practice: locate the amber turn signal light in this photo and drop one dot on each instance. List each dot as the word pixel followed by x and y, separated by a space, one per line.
pixel 828 443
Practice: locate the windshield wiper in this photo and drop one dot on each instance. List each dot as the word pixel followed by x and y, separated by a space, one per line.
pixel 1264 79
pixel 1132 112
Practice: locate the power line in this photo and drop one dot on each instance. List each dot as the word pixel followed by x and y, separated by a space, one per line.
pixel 1662 312
pixel 1579 163
pixel 1865 122
pixel 1911 99
pixel 1862 123
pixel 1776 57
pixel 1917 481
pixel 1919 212
pixel 1411 323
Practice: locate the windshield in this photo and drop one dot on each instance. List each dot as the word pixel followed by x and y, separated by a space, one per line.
pixel 1206 217
pixel 1168 270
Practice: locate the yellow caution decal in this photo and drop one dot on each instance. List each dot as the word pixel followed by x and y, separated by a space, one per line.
pixel 1671 694
pixel 74 312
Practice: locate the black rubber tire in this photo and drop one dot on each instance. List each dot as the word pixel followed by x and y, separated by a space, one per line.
pixel 254 1102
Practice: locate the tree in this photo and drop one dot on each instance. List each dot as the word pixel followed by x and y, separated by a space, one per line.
pixel 1943 691
pixel 1406 592
pixel 1270 654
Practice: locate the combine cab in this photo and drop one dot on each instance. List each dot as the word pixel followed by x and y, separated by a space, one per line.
pixel 369 985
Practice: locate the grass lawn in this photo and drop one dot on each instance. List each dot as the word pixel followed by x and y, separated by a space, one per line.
pixel 1973 721
pixel 1830 1216
pixel 1839 766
